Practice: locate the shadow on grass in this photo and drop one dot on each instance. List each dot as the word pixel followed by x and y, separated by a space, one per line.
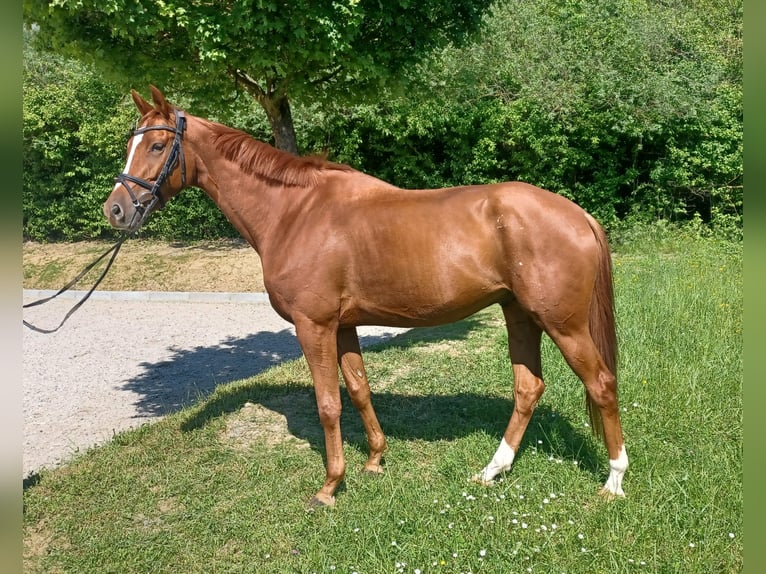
pixel 430 418
pixel 191 375
pixel 33 479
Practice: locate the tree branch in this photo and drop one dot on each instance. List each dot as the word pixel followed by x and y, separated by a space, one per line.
pixel 327 77
pixel 251 85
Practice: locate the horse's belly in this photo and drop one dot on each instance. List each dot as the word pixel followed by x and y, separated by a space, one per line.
pixel 424 307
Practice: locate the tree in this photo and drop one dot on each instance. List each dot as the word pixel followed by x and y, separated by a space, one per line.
pixel 274 50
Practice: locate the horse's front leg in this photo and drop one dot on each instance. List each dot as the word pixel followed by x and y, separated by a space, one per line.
pixel 352 367
pixel 319 346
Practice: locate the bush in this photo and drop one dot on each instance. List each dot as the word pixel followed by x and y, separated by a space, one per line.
pixel 73 142
pixel 630 109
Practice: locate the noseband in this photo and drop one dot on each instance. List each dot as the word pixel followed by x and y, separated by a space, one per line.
pixel 176 154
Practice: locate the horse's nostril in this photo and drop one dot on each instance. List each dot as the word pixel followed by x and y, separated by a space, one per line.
pixel 116 209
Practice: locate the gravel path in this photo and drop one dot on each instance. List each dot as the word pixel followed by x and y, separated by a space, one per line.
pixel 125 359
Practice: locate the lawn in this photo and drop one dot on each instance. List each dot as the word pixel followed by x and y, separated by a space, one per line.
pixel 223 485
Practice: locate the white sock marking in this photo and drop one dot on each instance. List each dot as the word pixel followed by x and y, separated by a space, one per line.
pixel 501 462
pixel 617 467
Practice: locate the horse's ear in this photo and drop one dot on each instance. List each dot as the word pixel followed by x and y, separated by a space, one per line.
pixel 160 103
pixel 143 106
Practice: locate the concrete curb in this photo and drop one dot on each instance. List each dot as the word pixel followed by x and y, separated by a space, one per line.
pixel 192 296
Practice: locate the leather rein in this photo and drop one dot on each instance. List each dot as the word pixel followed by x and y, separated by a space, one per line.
pixel 142 210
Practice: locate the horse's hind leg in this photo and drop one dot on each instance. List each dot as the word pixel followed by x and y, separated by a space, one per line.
pixel 524 348
pixel 581 354
pixel 352 367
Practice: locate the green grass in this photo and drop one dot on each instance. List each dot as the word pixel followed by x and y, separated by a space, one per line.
pixel 223 485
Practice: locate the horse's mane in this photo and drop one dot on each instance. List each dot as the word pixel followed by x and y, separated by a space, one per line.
pixel 262 160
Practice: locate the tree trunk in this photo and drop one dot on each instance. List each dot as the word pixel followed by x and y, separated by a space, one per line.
pixel 275 103
pixel 281 119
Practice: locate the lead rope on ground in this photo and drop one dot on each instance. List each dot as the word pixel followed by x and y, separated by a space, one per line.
pixel 113 250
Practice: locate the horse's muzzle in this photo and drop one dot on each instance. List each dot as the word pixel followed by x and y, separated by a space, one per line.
pixel 121 213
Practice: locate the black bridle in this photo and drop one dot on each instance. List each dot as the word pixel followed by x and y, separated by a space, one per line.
pixel 175 156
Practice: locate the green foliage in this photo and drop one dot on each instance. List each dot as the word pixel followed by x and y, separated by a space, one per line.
pixel 298 42
pixel 629 108
pixel 632 108
pixel 73 123
pixel 700 169
pixel 273 49
pixel 75 127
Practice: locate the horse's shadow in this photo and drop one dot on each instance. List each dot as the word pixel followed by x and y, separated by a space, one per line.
pixel 190 376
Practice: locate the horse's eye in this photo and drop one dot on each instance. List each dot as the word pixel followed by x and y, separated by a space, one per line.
pixel 159 146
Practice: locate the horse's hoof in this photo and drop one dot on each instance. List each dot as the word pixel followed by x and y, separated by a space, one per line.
pixel 477 478
pixel 608 495
pixel 321 501
pixel 373 469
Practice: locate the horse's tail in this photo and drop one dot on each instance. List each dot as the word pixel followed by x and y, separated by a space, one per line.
pixel 601 319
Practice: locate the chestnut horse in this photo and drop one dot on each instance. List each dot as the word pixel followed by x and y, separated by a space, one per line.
pixel 340 249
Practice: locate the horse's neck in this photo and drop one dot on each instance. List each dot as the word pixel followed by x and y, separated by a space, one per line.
pixel 249 203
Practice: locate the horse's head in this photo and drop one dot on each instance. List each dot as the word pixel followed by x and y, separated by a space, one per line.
pixel 156 168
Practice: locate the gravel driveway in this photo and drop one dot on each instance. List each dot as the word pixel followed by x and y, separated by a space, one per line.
pixel 125 359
